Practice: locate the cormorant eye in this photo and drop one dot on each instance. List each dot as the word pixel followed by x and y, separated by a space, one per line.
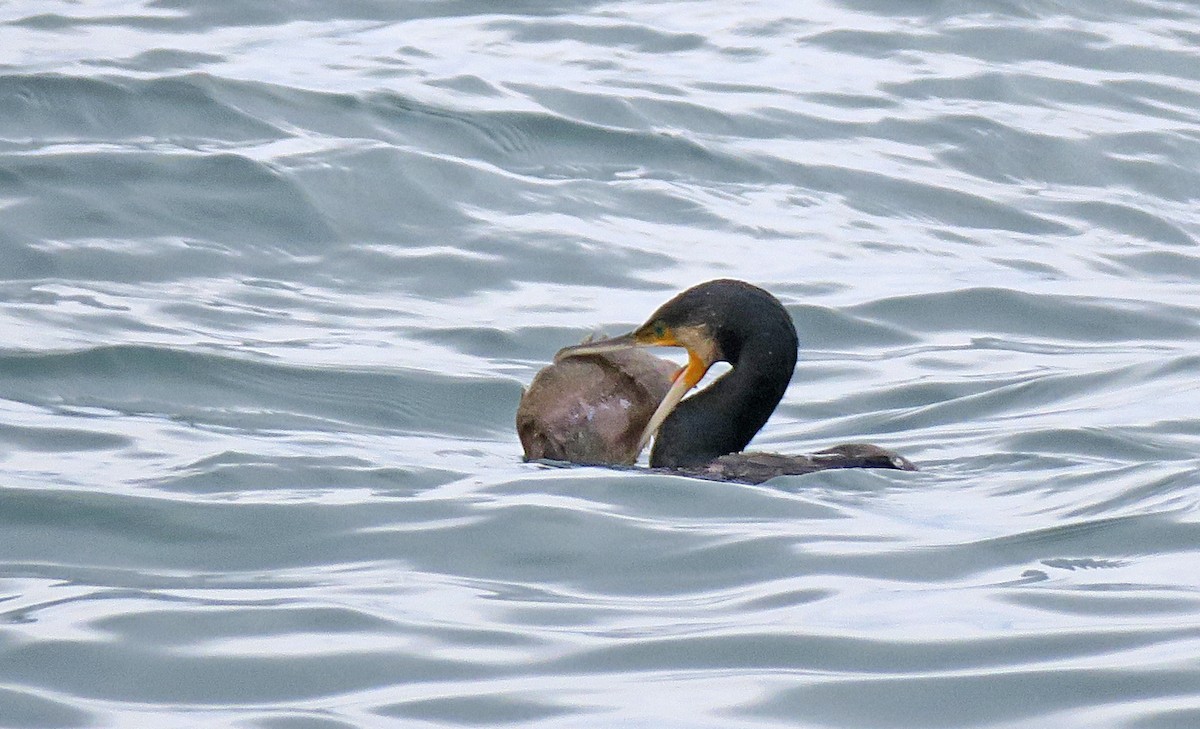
pixel 660 330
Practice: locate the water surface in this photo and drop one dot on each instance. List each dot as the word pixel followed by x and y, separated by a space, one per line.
pixel 273 275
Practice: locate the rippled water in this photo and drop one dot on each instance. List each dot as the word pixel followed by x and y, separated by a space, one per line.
pixel 273 275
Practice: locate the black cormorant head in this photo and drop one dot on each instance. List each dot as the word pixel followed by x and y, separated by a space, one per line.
pixel 713 321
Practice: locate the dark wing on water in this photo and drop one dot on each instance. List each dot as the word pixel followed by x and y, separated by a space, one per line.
pixel 759 467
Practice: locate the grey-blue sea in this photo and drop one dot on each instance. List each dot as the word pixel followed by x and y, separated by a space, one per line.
pixel 273 275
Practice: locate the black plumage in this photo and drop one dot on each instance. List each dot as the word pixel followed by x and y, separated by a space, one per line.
pixel 704 435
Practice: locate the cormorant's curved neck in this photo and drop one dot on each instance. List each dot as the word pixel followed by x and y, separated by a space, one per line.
pixel 723 417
